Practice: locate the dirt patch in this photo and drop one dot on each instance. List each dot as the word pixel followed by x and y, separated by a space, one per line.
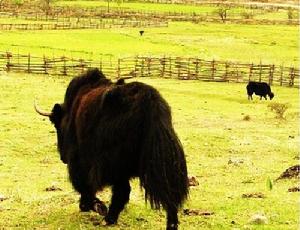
pixel 291 172
pixel 235 162
pixel 53 188
pixel 297 157
pixel 294 189
pixel 193 181
pixel 258 219
pixel 3 198
pixel 95 220
pixel 196 212
pixel 141 219
pixel 254 195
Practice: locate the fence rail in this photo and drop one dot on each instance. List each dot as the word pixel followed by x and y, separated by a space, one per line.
pixel 272 5
pixel 185 68
pixel 113 23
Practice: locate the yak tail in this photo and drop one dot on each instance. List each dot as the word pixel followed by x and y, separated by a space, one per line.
pixel 163 170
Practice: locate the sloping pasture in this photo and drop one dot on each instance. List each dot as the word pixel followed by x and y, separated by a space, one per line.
pixel 233 146
pixel 230 42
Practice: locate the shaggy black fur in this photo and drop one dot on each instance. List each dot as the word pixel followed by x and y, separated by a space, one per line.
pixel 110 132
pixel 259 88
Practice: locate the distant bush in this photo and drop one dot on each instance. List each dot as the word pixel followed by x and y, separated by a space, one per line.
pixel 246 118
pixel 290 13
pixel 18 2
pixel 247 14
pixel 279 109
pixel 222 13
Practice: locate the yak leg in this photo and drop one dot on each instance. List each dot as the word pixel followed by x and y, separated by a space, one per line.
pixel 88 200
pixel 172 219
pixel 120 197
pixel 91 202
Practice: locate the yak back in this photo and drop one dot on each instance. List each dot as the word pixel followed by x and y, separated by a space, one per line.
pixel 91 79
pixel 110 127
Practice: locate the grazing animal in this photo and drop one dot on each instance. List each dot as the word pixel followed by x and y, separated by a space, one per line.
pixel 110 132
pixel 261 89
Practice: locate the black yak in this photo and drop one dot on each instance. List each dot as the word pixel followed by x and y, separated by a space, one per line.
pixel 259 88
pixel 110 132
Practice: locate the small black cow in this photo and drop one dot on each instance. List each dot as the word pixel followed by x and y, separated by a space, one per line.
pixel 261 89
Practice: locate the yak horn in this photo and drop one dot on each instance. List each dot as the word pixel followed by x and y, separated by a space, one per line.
pixel 41 112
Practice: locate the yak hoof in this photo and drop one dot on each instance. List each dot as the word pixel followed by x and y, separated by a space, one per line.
pixel 84 207
pixel 172 227
pixel 110 220
pixel 100 208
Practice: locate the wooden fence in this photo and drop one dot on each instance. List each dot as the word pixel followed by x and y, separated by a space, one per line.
pixel 63 13
pixel 251 4
pixel 185 68
pixel 112 23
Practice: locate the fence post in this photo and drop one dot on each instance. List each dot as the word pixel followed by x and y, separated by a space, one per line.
pixel 188 71
pixel 142 67
pixel 100 64
pixel 250 71
pixel 28 64
pixel 163 63
pixel 81 65
pixel 197 68
pixel 149 61
pixel 170 67
pixel 178 62
pixel 8 64
pixel 281 75
pixel 271 72
pixel 292 76
pixel 64 72
pixel 135 66
pixel 213 68
pixel 119 68
pixel 45 65
pixel 226 71
pixel 260 71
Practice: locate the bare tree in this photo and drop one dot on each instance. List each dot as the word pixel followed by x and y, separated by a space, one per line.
pixel 2 3
pixel 290 13
pixel 108 3
pixel 222 12
pixel 45 6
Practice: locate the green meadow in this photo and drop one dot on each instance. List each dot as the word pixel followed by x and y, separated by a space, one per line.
pixel 232 12
pixel 233 146
pixel 232 42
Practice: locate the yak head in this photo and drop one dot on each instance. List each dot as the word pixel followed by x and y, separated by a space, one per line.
pixel 56 116
pixel 271 95
pixel 62 115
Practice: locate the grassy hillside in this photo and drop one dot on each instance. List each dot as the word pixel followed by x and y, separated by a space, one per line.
pixel 244 43
pixel 211 9
pixel 233 146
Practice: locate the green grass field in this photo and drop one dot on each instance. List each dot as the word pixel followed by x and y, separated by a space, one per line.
pixel 269 44
pixel 233 146
pixel 232 12
pixel 210 121
pixel 230 42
